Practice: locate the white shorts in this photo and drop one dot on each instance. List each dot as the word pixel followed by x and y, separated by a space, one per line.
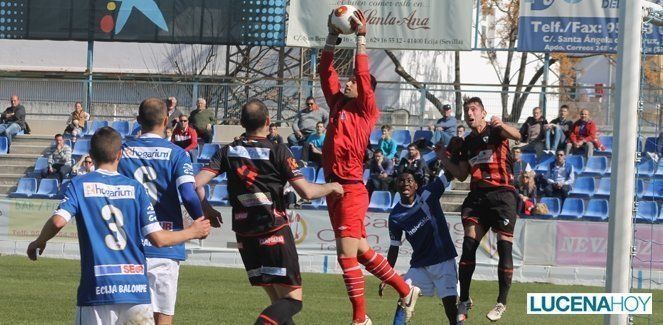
pixel 115 314
pixel 163 274
pixel 442 276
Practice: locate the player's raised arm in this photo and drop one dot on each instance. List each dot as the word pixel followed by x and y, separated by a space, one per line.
pixel 309 191
pixel 329 82
pixel 365 82
pixel 508 131
pixel 459 169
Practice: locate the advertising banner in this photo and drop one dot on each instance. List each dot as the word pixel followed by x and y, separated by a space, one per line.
pixel 393 24
pixel 580 26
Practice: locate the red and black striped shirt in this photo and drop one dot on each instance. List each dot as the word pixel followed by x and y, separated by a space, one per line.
pixel 491 164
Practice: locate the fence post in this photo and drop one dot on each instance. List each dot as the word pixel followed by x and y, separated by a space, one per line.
pixel 194 95
pixel 422 104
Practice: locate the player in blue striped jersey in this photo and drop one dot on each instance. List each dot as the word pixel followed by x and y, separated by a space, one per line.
pixel 433 265
pixel 166 172
pixel 113 214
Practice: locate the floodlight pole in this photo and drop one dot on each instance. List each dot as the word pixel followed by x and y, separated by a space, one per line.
pixel 620 230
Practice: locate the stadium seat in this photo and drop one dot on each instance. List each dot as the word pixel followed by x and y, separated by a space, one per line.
pixel 640 186
pixel 572 209
pixel 48 189
pixel 376 135
pixel 646 168
pixel 81 148
pixel 4 147
pixel 27 186
pixel 320 177
pixel 650 144
pixel 380 201
pixel 597 210
pixel 309 174
pixel 209 149
pixel 529 158
pixel 596 166
pixel 426 135
pixel 219 195
pixel 222 178
pixel 603 189
pixel 647 212
pixel 63 187
pixel 366 175
pixel 583 187
pixel 543 167
pixel 296 152
pixel 135 129
pixel 554 207
pixel 40 165
pixel 578 162
pixel 402 138
pixel 659 169
pixel 93 126
pixel 197 167
pixel 660 214
pixel 606 141
pixel 428 157
pixel 396 199
pixel 402 154
pixel 122 127
pixel 654 190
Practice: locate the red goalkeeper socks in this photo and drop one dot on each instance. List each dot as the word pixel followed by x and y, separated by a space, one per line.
pixel 354 283
pixel 378 266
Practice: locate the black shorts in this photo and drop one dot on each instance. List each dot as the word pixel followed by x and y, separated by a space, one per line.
pixel 492 208
pixel 271 258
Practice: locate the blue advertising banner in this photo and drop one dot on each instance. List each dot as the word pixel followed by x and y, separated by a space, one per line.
pixel 576 26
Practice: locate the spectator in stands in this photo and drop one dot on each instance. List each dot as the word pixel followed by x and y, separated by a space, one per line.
pixel 559 129
pixel 274 135
pixel 76 121
pixel 168 133
pixel 12 120
pixel 173 112
pixel 414 164
pixel 533 133
pixel 560 177
pixel 59 159
pixel 202 120
pixel 381 173
pixel 519 166
pixel 460 132
pixel 306 121
pixel 312 151
pixel 386 144
pixel 527 192
pixel 445 128
pixel 583 137
pixel 84 166
pixel 186 137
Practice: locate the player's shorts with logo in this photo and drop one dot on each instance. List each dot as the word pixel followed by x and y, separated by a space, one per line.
pixel 492 208
pixel 440 278
pixel 347 213
pixel 271 258
pixel 114 314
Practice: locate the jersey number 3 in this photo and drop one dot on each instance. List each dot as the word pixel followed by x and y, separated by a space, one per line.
pixel 117 240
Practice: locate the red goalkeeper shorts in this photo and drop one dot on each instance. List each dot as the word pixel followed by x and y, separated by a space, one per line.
pixel 347 213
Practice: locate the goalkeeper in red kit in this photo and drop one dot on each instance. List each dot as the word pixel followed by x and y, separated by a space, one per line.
pixel 353 114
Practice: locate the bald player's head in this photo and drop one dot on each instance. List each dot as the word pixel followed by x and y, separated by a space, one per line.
pixel 254 116
pixel 152 115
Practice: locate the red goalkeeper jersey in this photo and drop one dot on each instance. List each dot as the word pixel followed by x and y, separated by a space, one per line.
pixel 350 120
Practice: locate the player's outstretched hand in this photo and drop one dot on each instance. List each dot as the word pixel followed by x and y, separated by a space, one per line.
pixel 496 122
pixel 359 22
pixel 200 228
pixel 211 214
pixel 333 31
pixel 35 248
pixel 337 189
pixel 381 288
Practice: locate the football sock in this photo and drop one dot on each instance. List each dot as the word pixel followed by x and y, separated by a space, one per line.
pixel 354 283
pixel 450 309
pixel 504 269
pixel 466 266
pixel 378 266
pixel 279 312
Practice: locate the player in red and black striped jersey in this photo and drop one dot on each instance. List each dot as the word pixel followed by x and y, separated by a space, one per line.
pixel 257 171
pixel 492 201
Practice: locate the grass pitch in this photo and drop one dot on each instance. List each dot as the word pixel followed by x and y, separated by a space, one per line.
pixel 44 292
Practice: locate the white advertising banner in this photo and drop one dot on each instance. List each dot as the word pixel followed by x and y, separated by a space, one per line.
pixel 393 24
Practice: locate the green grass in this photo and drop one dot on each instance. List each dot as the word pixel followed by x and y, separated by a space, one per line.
pixel 44 292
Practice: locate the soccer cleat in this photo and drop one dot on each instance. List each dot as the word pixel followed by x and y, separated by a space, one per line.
pixel 367 321
pixel 408 302
pixel 463 309
pixel 496 313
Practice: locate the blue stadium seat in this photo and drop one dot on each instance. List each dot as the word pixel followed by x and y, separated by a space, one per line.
pixel 48 189
pixel 197 167
pixel 572 209
pixel 402 154
pixel 554 207
pixel 603 189
pixel 222 178
pixel 647 212
pixel 596 166
pixel 27 186
pixel 660 214
pixel 81 148
pixel 606 140
pixel 122 127
pixel 380 201
pixel 396 199
pixel 309 174
pixel 93 126
pixel 659 169
pixel 423 134
pixel 296 152
pixel 650 144
pixel 429 157
pixel 640 186
pixel 40 165
pixel 366 175
pixel 135 129
pixel 4 147
pixel 597 210
pixel 320 177
pixel 578 162
pixel 654 190
pixel 583 187
pixel 62 188
pixel 646 168
pixel 402 138
pixel 376 135
pixel 529 158
pixel 208 151
pixel 219 195
pixel 544 164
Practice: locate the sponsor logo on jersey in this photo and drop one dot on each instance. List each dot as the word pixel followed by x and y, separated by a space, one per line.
pixel 240 216
pixel 418 226
pixel 255 199
pixel 154 153
pixel 166 225
pixel 271 241
pixel 188 169
pixel 483 157
pixel 109 191
pixel 249 152
pixel 248 174
pixel 119 269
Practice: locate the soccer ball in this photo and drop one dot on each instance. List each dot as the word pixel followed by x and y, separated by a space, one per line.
pixel 341 19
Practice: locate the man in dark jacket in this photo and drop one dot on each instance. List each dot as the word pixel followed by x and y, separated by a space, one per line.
pixel 12 119
pixel 415 164
pixel 559 129
pixel 533 132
